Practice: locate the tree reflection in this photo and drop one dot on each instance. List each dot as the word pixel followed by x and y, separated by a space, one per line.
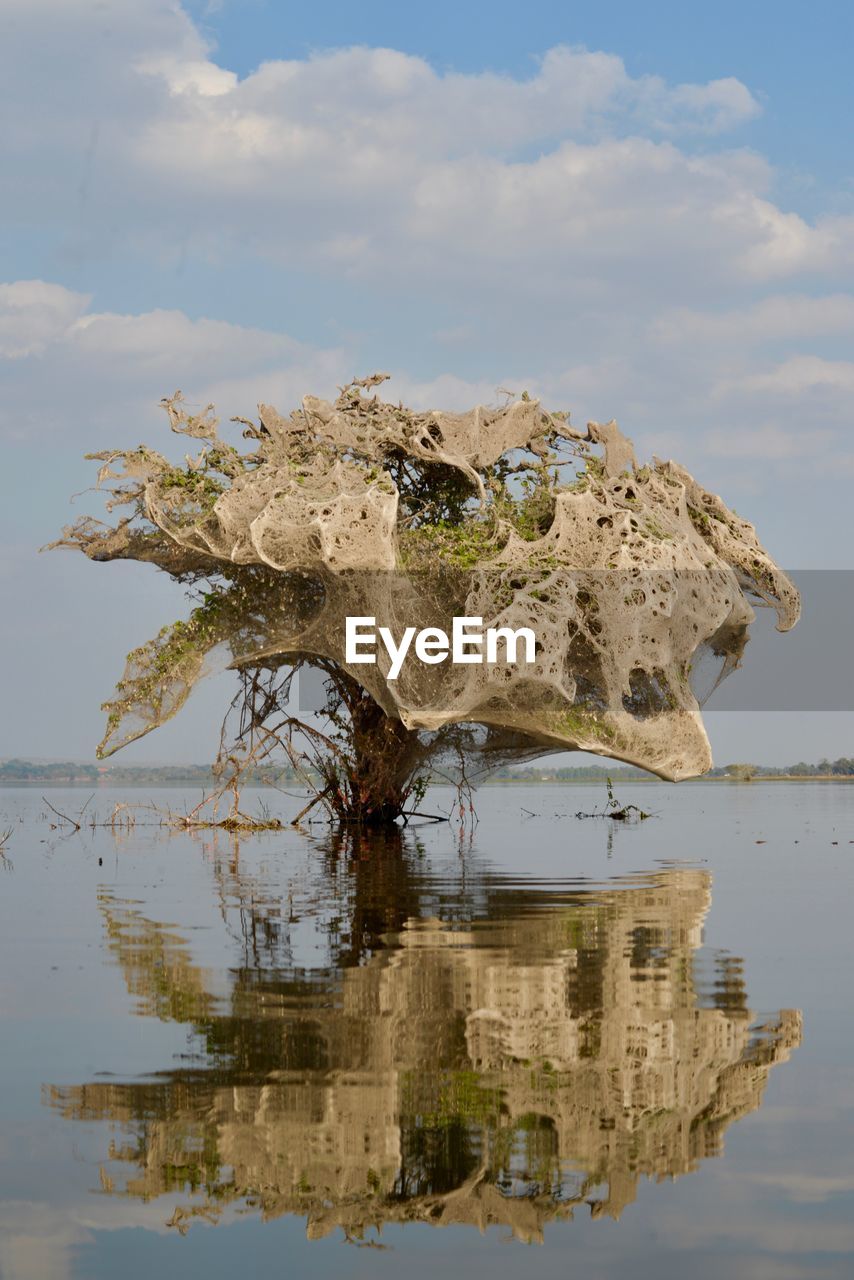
pixel 487 1054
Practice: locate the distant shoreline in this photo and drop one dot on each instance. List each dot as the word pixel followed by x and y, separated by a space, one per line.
pixel 183 783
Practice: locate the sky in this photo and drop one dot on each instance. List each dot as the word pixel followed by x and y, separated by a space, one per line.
pixel 634 211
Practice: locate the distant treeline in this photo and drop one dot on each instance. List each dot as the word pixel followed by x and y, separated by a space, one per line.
pixel 569 773
pixel 203 775
pixel 842 768
pixel 138 774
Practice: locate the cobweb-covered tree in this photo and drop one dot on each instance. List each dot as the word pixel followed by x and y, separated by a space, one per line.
pixel 637 583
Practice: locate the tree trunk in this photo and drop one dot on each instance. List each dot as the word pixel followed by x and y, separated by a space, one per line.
pixel 384 757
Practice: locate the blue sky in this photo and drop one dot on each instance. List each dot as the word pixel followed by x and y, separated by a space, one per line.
pixel 796 57
pixel 639 211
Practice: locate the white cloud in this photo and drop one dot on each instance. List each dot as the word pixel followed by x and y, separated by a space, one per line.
pixel 37 1242
pixel 447 391
pixel 99 376
pixel 372 153
pixel 33 314
pixel 768 443
pixel 392 100
pixel 781 317
pixel 190 76
pixel 710 405
pixel 797 375
pixel 802 1187
pixel 721 104
pixel 569 181
pixel 785 244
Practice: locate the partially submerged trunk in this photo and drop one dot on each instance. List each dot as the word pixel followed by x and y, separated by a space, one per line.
pixel 379 776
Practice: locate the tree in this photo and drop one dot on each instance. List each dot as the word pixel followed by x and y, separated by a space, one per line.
pixel 741 772
pixel 360 507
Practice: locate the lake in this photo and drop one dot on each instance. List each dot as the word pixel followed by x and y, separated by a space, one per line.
pixel 538 1042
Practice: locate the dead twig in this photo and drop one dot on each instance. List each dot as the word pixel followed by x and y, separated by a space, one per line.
pixel 615 811
pixel 63 816
pixel 318 799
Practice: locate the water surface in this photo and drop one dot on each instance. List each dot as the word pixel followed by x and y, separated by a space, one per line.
pixel 628 1047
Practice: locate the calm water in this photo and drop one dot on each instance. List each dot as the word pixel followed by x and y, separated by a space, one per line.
pixel 630 1048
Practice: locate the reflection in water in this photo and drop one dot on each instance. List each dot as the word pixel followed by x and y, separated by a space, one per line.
pixel 496 1054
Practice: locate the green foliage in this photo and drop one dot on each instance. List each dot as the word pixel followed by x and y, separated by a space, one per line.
pixel 531 510
pixel 431 493
pixel 453 1097
pixel 585 725
pixel 200 486
pixel 461 546
pixel 653 529
pixel 160 673
pixel 451 529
